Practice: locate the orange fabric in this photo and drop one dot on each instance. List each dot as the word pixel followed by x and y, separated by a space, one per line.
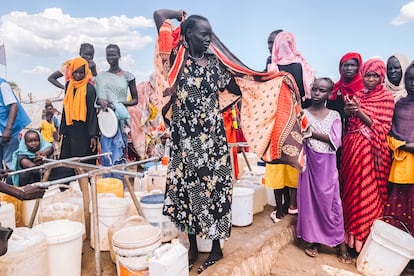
pixel 231 135
pixel 262 91
pixel 75 104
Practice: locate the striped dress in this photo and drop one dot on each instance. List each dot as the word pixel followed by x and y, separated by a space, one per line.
pixel 365 166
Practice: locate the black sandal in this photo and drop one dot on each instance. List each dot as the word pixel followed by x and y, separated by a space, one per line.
pixel 208 263
pixel 345 258
pixel 313 250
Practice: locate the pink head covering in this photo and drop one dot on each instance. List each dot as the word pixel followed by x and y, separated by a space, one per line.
pixel 374 65
pixel 284 52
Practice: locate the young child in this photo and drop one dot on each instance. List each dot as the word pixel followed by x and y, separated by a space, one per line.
pixel 320 218
pixel 49 107
pixel 48 129
pixel 32 149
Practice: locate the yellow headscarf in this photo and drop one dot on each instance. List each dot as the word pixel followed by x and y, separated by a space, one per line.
pixel 75 104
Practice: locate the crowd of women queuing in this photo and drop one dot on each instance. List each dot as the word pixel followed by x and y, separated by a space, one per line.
pixel 357 140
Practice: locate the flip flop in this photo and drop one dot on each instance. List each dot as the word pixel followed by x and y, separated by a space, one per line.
pixel 345 258
pixel 293 211
pixel 206 264
pixel 273 217
pixel 312 251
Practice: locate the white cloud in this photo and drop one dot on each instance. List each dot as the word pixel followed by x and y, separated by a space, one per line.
pixel 39 70
pixel 53 32
pixel 406 14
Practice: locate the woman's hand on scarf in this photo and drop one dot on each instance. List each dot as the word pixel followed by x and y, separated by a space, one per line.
pixel 307 133
pixel 351 105
pixel 183 15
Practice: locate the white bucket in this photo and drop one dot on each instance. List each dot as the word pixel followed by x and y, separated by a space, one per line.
pixel 133 247
pixel 111 210
pixel 259 197
pixel 387 251
pixel 26 254
pixel 130 221
pixel 257 176
pixel 171 259
pixel 152 208
pixel 204 245
pixel 64 248
pixel 132 210
pixel 242 206
pixel 7 215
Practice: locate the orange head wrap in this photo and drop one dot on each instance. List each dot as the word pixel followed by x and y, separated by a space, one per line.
pixel 75 103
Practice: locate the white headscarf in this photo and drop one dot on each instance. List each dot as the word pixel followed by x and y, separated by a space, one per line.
pixel 398 91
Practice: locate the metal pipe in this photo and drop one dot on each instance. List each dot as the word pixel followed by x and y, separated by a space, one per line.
pixel 57 163
pixel 137 162
pixel 133 196
pixel 73 164
pixel 239 144
pixel 62 180
pixel 245 159
pixel 37 202
pixel 95 222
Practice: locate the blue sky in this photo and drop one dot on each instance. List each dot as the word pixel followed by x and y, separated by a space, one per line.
pixel 40 35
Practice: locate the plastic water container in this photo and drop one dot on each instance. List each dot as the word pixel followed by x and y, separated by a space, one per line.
pixel 152 208
pixel 387 250
pixel 205 245
pixel 61 210
pixel 18 204
pixel 156 178
pixel 259 197
pixel 28 205
pixel 130 221
pixel 257 175
pixel 252 158
pixel 111 210
pixel 64 239
pixel 133 247
pixel 110 185
pixel 171 259
pixel 26 254
pixel 242 206
pixel 132 211
pixel 7 215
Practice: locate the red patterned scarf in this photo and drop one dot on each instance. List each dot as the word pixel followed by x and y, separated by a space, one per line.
pixel 355 85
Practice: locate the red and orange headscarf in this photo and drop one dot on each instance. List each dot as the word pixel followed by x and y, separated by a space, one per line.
pixel 377 66
pixel 349 88
pixel 75 104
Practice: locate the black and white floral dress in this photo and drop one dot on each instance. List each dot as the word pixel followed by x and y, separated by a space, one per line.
pixel 199 179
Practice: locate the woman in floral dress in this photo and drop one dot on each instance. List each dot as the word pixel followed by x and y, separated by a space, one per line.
pixel 199 180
